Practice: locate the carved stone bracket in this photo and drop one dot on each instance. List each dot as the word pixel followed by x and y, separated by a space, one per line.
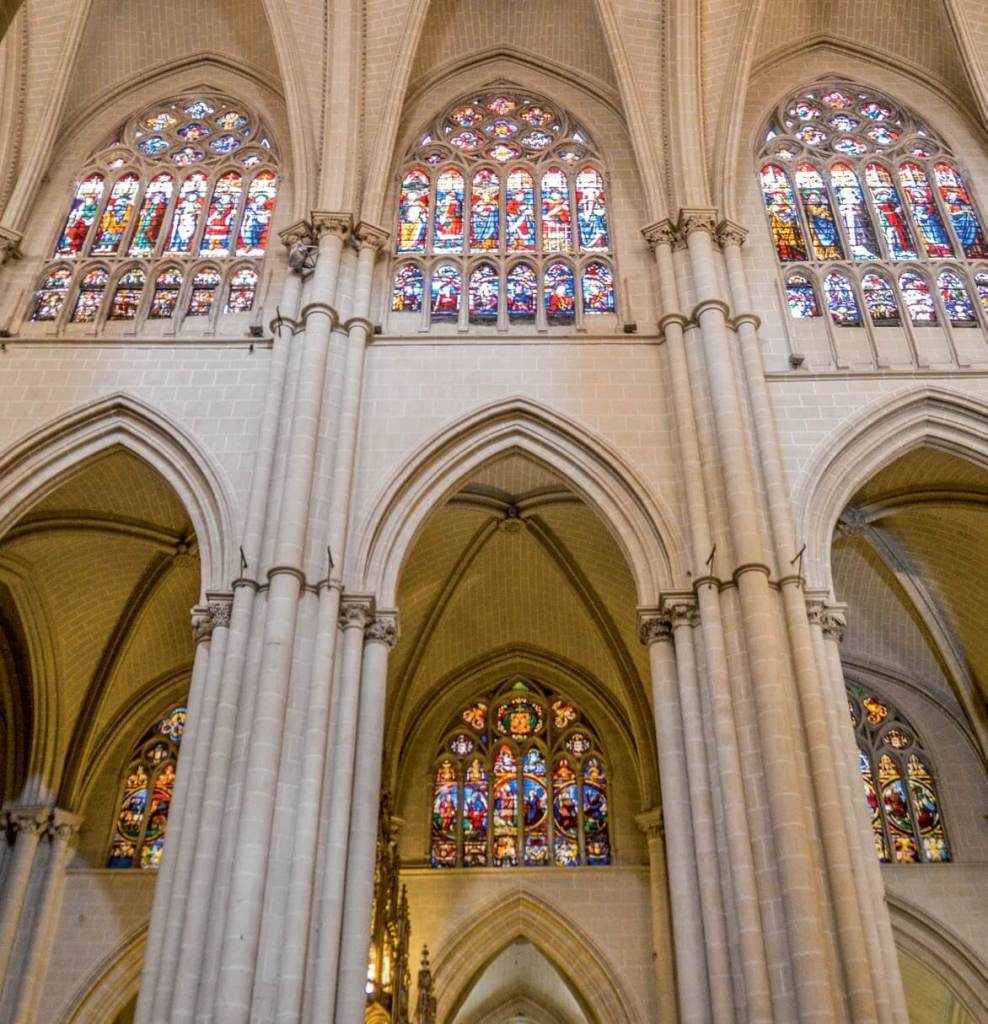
pixel 383 629
pixel 853 522
pixel 653 626
pixel 202 623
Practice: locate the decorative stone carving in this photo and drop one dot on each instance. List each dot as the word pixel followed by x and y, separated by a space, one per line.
pixel 63 825
pixel 355 612
pixel 853 522
pixel 654 628
pixel 729 233
pixel 511 521
pixel 32 821
pixel 10 242
pixel 383 629
pixel 814 612
pixel 336 222
pixel 299 233
pixel 220 612
pixel 683 613
pixel 202 623
pixel 834 623
pixel 662 232
pixel 699 219
pixel 371 236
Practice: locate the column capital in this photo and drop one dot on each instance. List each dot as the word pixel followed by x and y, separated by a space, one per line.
pixel 370 236
pixel 814 610
pixel 834 622
pixel 299 233
pixel 682 613
pixel 853 522
pixel 730 233
pixel 30 819
pixel 356 611
pixel 700 218
pixel 202 623
pixel 383 629
pixel 219 610
pixel 662 232
pixel 10 244
pixel 332 222
pixel 651 823
pixel 63 825
pixel 653 626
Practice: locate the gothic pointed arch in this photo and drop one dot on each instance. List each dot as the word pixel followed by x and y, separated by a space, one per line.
pixel 112 985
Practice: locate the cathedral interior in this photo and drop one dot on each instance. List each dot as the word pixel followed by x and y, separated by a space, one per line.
pixel 493 512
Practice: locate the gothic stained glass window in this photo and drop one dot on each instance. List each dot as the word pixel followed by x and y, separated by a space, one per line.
pixel 841 300
pixel 879 300
pixel 780 202
pixel 127 295
pixel 51 295
pixel 918 299
pixel 409 288
pixel 204 286
pixel 854 212
pixel 885 196
pixel 923 206
pixel 255 224
pixel 961 211
pixel 185 219
pixel 116 217
pixel 905 813
pixel 81 216
pixel 824 236
pixel 981 284
pixel 242 291
pixel 497 175
pixel 956 301
pixel 90 296
pixel 217 235
pixel 448 231
pixel 152 215
pixel 518 783
pixel 146 788
pixel 485 289
pixel 801 297
pixel 164 300
pixel 485 211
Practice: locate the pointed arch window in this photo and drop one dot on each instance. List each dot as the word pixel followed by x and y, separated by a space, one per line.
pixel 850 177
pixel 496 175
pixel 520 779
pixel 145 795
pixel 906 817
pixel 193 176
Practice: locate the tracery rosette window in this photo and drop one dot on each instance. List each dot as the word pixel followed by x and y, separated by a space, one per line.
pixel 906 818
pixel 872 219
pixel 520 780
pixel 503 219
pixel 145 798
pixel 185 181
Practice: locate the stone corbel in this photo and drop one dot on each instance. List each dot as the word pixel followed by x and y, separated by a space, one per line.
pixel 10 244
pixel 370 236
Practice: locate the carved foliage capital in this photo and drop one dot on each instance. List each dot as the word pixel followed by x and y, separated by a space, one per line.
pixel 63 825
pixel 729 233
pixel 682 613
pixel 662 232
pixel 355 612
pixel 332 222
pixel 834 623
pixel 31 821
pixel 698 219
pixel 654 627
pixel 370 236
pixel 383 629
pixel 219 611
pixel 299 233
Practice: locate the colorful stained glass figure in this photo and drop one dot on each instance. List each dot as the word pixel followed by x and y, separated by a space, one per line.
pixel 843 122
pixel 557 226
pixel 897 816
pixel 461 744
pixel 475 819
pixel 502 128
pixel 225 143
pixel 203 294
pixel 535 806
pixel 924 209
pixel 838 99
pixel 81 216
pixel 502 105
pixel 217 235
pixel 188 155
pixel 476 716
pixel 468 116
pixel 90 298
pixel 414 212
pixel 559 293
pixel 444 813
pixel 891 218
pixel 127 295
pixel 874 810
pixel 875 710
pixel 447 286
pixel 981 285
pixel 116 216
pixel 51 295
pixel 521 288
pixel 926 808
pixel 519 717
pixel 841 300
pixel 961 209
pixel 595 830
pixel 251 160
pixel 538 117
pixel 185 219
pixel 801 297
pixel 153 145
pixel 409 289
pixel 160 122
pixel 151 218
pixel 811 135
pixel 448 231
pixel 566 815
pixel 591 210
pixel 193 131
pixel 164 301
pixel 485 288
pixel 130 818
pixel 598 289
pixel 879 300
pixel 231 121
pixel 849 146
pixel 255 224
pixel 505 817
pixel 467 141
pixel 200 108
pixel 485 211
pixel 241 291
pixel 537 141
pixel 918 299
pixel 519 212
pixel 503 152
pixel 804 110
pixel 157 817
pixel 876 111
pixel 853 212
pixel 883 135
pixel 956 301
pixel 780 203
pixel 824 236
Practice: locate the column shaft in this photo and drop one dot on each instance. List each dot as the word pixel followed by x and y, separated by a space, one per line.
pixel 28 825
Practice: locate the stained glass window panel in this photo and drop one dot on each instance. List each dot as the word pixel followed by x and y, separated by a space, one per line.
pixel 780 203
pixel 566 815
pixel 90 297
pixel 924 209
pixel 203 294
pixel 595 827
pixel 185 219
pixel 485 211
pixel 897 816
pixel 819 216
pixel 51 296
pixel 557 226
pixel 853 212
pixel 157 817
pixel 961 209
pixel 981 284
pixel 519 212
pixel 892 220
pixel 598 289
pixel 926 808
pixel 841 300
pixel 879 300
pixel 82 215
pixel 536 808
pixel 956 301
pixel 918 299
pixel 521 292
pixel 242 290
pixel 116 217
pixel 152 216
pixel 591 210
pixel 874 811
pixel 559 292
pixel 447 287
pixel 475 823
pixel 448 232
pixel 255 224
pixel 505 808
pixel 127 296
pixel 445 806
pixel 409 289
pixel 485 290
pixel 130 818
pixel 801 297
pixel 217 235
pixel 164 301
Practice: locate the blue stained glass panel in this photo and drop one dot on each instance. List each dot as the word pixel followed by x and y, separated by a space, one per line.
pixel 841 300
